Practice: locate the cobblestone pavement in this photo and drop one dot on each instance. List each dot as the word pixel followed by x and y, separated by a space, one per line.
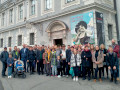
pixel 36 82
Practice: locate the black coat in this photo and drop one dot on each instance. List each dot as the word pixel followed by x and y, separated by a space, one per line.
pixel 40 55
pixel 112 60
pixel 85 62
pixel 68 55
pixel 31 56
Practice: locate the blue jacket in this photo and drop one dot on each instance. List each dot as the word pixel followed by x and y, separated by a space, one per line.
pixel 24 54
pixel 4 56
pixel 10 61
pixel 31 56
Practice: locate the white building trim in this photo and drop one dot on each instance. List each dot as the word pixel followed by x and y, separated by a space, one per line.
pixel 66 5
pixel 17 12
pixel 43 11
pixel 29 16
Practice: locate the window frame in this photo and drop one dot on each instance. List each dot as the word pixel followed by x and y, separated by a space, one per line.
pixel 32 39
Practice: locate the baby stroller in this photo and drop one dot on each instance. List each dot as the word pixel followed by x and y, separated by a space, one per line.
pixel 19 69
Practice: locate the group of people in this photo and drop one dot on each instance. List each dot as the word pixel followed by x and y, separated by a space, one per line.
pixel 78 61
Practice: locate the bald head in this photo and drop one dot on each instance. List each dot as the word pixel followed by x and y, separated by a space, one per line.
pixel 113 41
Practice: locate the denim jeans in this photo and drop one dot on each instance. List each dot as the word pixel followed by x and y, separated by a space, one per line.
pixel 4 68
pixel 9 71
pixel 54 70
pixel 113 73
pixel 96 71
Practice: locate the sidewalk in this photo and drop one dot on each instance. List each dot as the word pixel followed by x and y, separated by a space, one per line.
pixel 36 82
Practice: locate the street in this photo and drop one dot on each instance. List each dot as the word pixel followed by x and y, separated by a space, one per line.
pixel 36 82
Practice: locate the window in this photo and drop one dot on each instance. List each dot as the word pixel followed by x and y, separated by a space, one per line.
pixel 1 42
pixel 11 16
pixel 31 38
pixel 20 11
pixel 48 4
pixel 32 7
pixel 110 36
pixel 3 19
pixel 9 41
pixel 19 40
pixel 68 1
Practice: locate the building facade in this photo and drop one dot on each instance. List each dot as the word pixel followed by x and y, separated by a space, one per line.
pixel 48 22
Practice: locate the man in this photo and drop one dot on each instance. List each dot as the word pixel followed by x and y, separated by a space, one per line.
pixel 40 60
pixel 116 49
pixel 112 62
pixel 15 55
pixel 35 51
pixel 63 59
pixel 10 50
pixel 68 56
pixel 23 54
pixel 4 57
pixel 31 59
pixel 43 48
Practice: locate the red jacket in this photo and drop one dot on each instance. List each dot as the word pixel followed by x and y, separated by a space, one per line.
pixel 117 50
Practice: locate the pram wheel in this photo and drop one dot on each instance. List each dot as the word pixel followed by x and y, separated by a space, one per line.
pixel 23 76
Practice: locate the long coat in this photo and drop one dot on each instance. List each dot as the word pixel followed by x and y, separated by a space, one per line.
pixel 100 59
pixel 85 62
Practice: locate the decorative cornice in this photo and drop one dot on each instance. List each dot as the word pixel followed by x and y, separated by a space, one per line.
pixel 86 7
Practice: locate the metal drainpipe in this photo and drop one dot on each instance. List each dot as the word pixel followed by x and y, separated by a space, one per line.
pixel 116 20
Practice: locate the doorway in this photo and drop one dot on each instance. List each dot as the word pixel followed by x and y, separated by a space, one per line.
pixel 58 41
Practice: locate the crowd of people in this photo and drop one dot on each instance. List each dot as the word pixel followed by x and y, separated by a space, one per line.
pixel 84 61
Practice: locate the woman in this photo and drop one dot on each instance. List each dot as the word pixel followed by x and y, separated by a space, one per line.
pixel 97 58
pixel 44 62
pixel 92 49
pixel 86 62
pixel 75 63
pixel 102 48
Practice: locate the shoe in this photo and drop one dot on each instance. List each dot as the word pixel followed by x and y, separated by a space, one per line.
pixel 59 76
pixel 10 76
pixel 118 79
pixel 94 80
pixel 52 75
pixel 83 78
pixel 111 80
pixel 47 74
pixel 100 80
pixel 63 75
pixel 116 82
pixel 74 79
pixel 66 76
pixel 88 78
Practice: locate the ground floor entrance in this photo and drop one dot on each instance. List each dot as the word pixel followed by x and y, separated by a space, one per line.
pixel 58 41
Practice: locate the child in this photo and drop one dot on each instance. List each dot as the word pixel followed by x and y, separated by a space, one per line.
pixel 10 62
pixel 59 68
pixel 54 63
pixel 19 66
